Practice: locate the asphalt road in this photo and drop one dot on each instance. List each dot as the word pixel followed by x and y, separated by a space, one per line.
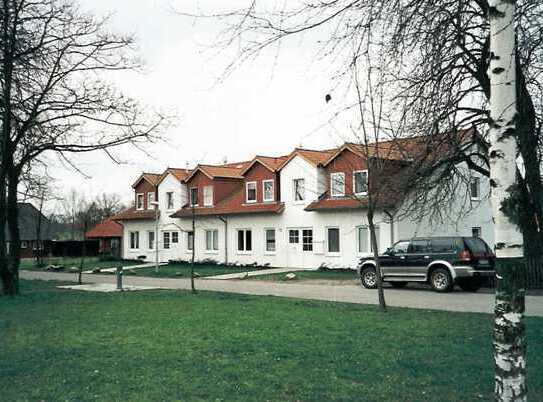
pixel 412 298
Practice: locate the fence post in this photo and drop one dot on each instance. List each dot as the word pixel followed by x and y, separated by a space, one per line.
pixel 119 278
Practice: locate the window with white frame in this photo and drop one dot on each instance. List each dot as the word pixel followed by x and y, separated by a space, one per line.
pixel 150 200
pixel 476 231
pixel 270 240
pixel 245 240
pixel 169 200
pixel 208 196
pixel 377 239
pixel 307 239
pixel 299 189
pixel 363 235
pixel 475 190
pixel 294 236
pixel 364 239
pixel 139 201
pixel 251 191
pixel 212 240
pixel 190 240
pixel 337 184
pixel 24 244
pixel 267 190
pixel 194 196
pixel 360 182
pixel 134 240
pixel 151 240
pixel 166 239
pixel 333 240
pixel 175 237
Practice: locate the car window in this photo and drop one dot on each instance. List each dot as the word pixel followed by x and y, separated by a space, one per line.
pixel 419 246
pixel 400 247
pixel 476 245
pixel 446 245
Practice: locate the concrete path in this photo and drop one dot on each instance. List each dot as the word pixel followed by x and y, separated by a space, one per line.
pixel 128 267
pixel 241 275
pixel 412 298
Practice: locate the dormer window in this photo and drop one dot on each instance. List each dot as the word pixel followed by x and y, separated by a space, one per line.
pixel 251 191
pixel 337 184
pixel 360 182
pixel 267 190
pixel 169 200
pixel 194 196
pixel 139 201
pixel 208 196
pixel 299 190
pixel 475 189
pixel 150 200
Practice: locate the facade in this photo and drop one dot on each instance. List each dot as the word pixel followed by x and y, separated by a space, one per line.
pixel 305 209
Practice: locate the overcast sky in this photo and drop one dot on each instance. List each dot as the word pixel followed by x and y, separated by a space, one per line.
pixel 266 107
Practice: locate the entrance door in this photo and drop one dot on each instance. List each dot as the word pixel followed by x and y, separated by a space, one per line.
pixel 299 247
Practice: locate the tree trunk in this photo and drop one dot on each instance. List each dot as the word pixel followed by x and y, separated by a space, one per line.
pixel 509 340
pixel 192 286
pixel 373 240
pixel 83 253
pixel 14 256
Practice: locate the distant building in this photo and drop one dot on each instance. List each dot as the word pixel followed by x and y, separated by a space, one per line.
pixel 35 231
pixel 109 234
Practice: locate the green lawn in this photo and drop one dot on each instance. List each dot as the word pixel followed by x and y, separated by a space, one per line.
pixel 330 274
pixel 173 345
pixel 67 262
pixel 182 270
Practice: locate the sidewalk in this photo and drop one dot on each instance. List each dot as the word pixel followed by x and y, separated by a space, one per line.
pixel 412 298
pixel 242 275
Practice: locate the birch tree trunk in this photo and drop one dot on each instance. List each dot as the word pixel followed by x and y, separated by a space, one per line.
pixel 509 330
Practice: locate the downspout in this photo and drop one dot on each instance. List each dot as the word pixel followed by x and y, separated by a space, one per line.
pixel 225 221
pixel 391 217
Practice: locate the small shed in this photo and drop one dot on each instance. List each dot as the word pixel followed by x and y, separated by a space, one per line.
pixel 109 234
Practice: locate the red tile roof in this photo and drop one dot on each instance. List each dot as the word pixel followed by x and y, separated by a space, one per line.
pixel 179 174
pixel 228 171
pixel 270 162
pixel 151 178
pixel 134 214
pixel 234 204
pixel 108 228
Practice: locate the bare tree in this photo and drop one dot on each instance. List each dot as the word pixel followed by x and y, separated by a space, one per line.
pixel 54 98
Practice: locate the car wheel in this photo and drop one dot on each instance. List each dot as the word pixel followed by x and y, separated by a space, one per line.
pixel 470 284
pixel 398 284
pixel 368 278
pixel 440 280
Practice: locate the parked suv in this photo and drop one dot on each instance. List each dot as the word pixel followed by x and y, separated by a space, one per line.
pixel 441 261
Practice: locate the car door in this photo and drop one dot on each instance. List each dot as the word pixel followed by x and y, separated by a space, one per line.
pixel 418 257
pixel 394 260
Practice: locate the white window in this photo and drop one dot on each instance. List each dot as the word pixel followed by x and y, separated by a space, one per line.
pixel 299 189
pixel 476 231
pixel 24 244
pixel 208 196
pixel 212 240
pixel 364 239
pixel 151 240
pixel 333 240
pixel 270 240
pixel 134 240
pixel 360 182
pixel 166 238
pixel 169 200
pixel 267 190
pixel 307 239
pixel 150 200
pixel 475 189
pixel 175 237
pixel 294 236
pixel 251 191
pixel 194 196
pixel 245 240
pixel 337 184
pixel 139 201
pixel 190 240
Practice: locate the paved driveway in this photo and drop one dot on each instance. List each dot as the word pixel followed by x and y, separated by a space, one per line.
pixel 413 298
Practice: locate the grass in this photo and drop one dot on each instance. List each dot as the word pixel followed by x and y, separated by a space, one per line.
pixel 67 262
pixel 182 269
pixel 329 274
pixel 173 345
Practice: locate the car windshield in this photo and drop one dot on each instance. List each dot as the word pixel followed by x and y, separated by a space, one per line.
pixel 400 247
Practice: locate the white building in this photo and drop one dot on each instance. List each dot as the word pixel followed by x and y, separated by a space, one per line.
pixel 305 209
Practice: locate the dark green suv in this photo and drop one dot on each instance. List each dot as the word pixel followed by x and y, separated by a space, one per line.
pixel 440 261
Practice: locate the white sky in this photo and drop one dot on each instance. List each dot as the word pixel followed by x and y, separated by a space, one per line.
pixel 265 107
